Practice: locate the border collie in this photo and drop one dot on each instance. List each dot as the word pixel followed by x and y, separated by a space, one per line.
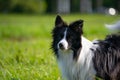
pixel 80 59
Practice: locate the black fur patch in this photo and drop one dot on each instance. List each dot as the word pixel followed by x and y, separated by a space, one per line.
pixel 107 58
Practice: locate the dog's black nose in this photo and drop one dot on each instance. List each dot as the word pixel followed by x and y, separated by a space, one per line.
pixel 61 46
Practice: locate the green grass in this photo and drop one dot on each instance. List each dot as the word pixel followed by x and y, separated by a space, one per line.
pixel 25 41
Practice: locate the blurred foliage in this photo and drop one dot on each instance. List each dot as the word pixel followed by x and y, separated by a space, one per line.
pixel 5 5
pixel 112 3
pixel 48 6
pixel 22 6
pixel 51 6
pixel 75 5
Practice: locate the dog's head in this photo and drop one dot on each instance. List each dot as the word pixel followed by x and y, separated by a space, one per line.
pixel 67 37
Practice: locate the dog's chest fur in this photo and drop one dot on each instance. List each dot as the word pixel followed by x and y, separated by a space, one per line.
pixel 82 69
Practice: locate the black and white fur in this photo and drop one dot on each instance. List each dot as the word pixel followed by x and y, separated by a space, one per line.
pixel 81 59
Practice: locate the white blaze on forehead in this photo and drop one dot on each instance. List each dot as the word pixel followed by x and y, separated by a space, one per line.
pixel 63 41
pixel 65 33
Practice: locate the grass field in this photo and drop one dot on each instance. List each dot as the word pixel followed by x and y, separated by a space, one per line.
pixel 25 40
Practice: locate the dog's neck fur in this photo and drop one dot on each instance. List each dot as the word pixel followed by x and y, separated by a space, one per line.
pixel 82 69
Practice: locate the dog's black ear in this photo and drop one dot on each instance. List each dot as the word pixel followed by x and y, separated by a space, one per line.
pixel 77 25
pixel 58 21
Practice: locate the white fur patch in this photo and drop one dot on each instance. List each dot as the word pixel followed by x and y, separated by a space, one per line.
pixel 66 64
pixel 77 70
pixel 95 45
pixel 85 60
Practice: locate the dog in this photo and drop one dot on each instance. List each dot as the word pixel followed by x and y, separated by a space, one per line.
pixel 80 59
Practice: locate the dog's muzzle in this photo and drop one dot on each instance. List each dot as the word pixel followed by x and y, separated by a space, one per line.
pixel 63 45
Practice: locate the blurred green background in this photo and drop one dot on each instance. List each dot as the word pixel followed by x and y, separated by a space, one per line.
pixel 25 34
pixel 53 6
